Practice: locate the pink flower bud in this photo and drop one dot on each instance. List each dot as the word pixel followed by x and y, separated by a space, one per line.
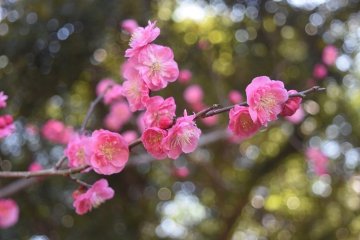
pixel 159 112
pixel 7 127
pixel 291 105
pixel 129 25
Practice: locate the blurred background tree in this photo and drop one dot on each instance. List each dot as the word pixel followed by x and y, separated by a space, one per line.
pixel 53 53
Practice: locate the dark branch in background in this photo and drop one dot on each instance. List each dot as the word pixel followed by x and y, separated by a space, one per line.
pixel 56 171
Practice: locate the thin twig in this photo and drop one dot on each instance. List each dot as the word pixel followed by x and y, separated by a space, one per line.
pixel 42 173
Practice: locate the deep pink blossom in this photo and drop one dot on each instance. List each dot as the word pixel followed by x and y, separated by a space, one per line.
pixel 93 197
pixel 152 140
pixel 118 116
pixel 56 132
pixel 194 94
pixel 182 137
pixel 129 25
pixel 320 71
pixel 9 213
pixel 241 123
pixel 157 66
pixel 317 160
pixel 185 76
pixel 329 54
pixel 78 151
pixel 142 37
pixel 34 167
pixel 159 112
pixel 235 97
pixel 297 117
pixel 3 99
pixel 136 93
pixel 291 105
pixel 110 152
pixel 265 98
pixel 7 126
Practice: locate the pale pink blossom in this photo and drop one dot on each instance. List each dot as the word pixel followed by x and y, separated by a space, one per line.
pixel 265 98
pixel 56 132
pixel 93 197
pixel 183 136
pixel 235 97
pixel 152 140
pixel 110 152
pixel 118 116
pixel 3 99
pixel 159 112
pixel 181 172
pixel 142 37
pixel 9 213
pixel 103 85
pixel 297 117
pixel 7 126
pixel 194 94
pixel 78 151
pixel 113 95
pixel 241 124
pixel 136 93
pixel 129 25
pixel 317 160
pixel 320 71
pixel 130 136
pixel 329 54
pixel 157 66
pixel 291 105
pixel 185 76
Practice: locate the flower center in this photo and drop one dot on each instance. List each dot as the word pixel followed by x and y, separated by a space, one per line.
pixel 80 155
pixel 155 68
pixel 267 101
pixel 245 122
pixel 108 150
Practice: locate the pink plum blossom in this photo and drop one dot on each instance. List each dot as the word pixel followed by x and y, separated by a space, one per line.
pixel 129 25
pixel 93 197
pixel 103 85
pixel 130 136
pixel 235 97
pixel 329 55
pixel 159 112
pixel 185 76
pixel 56 132
pixel 78 151
pixel 183 136
pixel 291 105
pixel 297 117
pixel 35 166
pixel 210 121
pixel 142 37
pixel 9 213
pixel 152 140
pixel 110 152
pixel 265 98
pixel 7 126
pixel 317 160
pixel 193 94
pixel 241 123
pixel 181 172
pixel 157 66
pixel 136 93
pixel 113 95
pixel 3 99
pixel 320 71
pixel 118 116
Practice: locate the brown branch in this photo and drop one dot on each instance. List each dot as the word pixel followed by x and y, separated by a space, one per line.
pixel 42 173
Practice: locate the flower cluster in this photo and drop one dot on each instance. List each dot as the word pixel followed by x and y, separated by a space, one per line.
pixel 266 100
pixel 56 131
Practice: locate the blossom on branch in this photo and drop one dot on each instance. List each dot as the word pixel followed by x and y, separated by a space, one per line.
pixel 78 151
pixel 93 197
pixel 152 140
pixel 291 105
pixel 241 123
pixel 159 112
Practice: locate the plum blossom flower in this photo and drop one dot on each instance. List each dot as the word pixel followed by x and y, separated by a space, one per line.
pixel 317 160
pixel 3 99
pixel 194 94
pixel 152 140
pixel 136 93
pixel 185 76
pixel 235 97
pixel 265 98
pixel 181 172
pixel 93 197
pixel 35 166
pixel 9 213
pixel 110 152
pixel 142 37
pixel 129 25
pixel 320 71
pixel 329 55
pixel 103 85
pixel 119 115
pixel 241 123
pixel 182 137
pixel 297 117
pixel 157 66
pixel 78 151
pixel 56 132
pixel 291 105
pixel 7 126
pixel 159 112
